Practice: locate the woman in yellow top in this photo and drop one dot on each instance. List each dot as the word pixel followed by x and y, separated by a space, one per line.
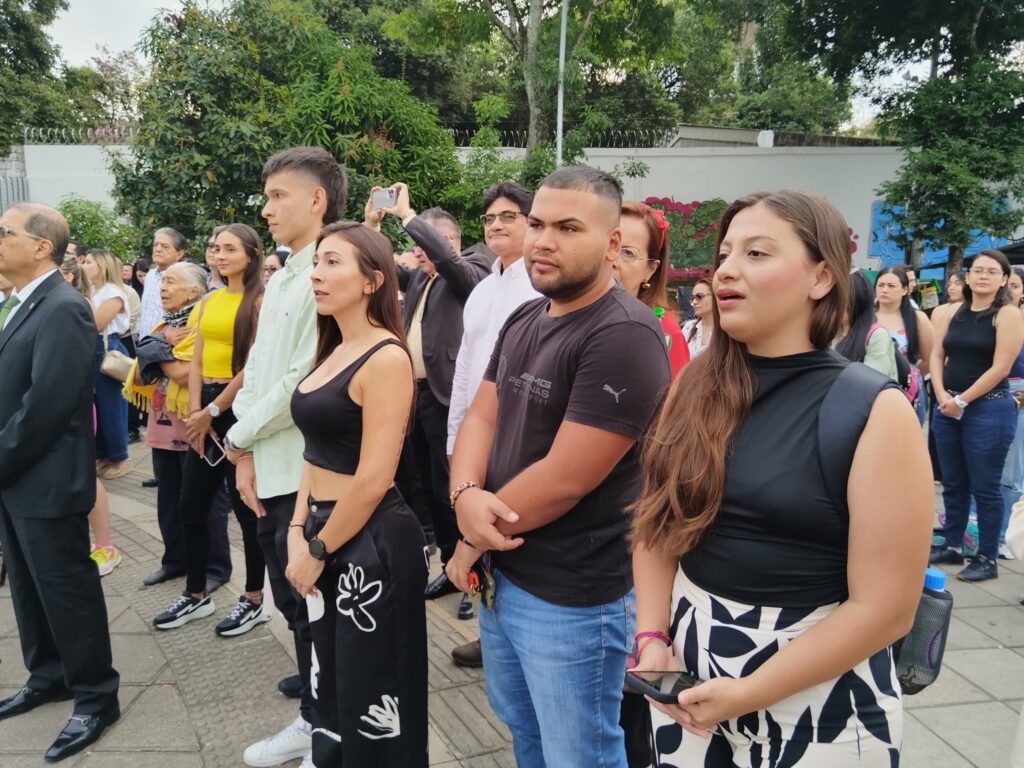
pixel 226 328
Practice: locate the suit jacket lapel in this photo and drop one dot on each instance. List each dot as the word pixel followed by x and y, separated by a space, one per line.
pixel 23 312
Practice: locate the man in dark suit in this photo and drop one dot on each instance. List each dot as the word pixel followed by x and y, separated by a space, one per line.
pixel 435 295
pixel 47 348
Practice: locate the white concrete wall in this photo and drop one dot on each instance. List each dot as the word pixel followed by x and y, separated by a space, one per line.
pixel 847 176
pixel 55 171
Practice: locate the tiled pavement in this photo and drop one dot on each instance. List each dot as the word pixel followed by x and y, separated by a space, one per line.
pixel 190 699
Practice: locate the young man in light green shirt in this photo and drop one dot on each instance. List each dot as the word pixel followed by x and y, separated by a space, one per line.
pixel 305 189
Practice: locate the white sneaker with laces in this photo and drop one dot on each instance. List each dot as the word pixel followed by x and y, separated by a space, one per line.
pixel 294 740
pixel 1005 553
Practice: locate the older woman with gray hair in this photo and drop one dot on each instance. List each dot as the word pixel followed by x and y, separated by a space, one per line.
pixel 158 383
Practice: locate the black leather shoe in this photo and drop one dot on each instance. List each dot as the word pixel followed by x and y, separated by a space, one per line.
pixel 944 554
pixel 440 587
pixel 151 483
pixel 160 575
pixel 290 686
pixel 80 732
pixel 468 655
pixel 466 609
pixel 27 699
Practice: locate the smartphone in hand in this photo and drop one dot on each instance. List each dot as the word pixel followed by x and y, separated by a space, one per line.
pixel 384 198
pixel 663 687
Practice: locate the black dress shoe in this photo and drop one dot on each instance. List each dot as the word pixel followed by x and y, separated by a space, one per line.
pixel 80 732
pixel 944 554
pixel 468 655
pixel 160 575
pixel 27 699
pixel 151 483
pixel 290 686
pixel 466 609
pixel 440 587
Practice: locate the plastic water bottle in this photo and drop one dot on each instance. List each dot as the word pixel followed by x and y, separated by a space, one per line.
pixel 918 656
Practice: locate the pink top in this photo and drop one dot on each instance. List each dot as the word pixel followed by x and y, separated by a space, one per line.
pixel 164 429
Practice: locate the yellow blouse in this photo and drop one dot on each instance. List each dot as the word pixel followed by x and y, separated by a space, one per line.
pixel 217 329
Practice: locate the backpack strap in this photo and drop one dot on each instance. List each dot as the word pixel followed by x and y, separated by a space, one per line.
pixel 841 420
pixel 874 327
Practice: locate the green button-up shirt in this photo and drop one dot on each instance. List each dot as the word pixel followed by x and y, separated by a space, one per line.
pixel 281 356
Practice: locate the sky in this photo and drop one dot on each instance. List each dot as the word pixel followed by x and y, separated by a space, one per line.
pixel 117 24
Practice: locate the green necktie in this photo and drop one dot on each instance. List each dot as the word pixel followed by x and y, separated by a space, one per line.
pixel 8 307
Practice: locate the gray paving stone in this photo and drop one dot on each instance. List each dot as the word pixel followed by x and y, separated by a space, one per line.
pixel 970 596
pixel 163 759
pixel 8 625
pixel 137 658
pixel 34 731
pixel 1009 587
pixel 157 721
pixel 129 623
pixel 923 749
pixel 1004 624
pixel 984 732
pixel 949 688
pixel 963 636
pixel 997 671
pixel 467 729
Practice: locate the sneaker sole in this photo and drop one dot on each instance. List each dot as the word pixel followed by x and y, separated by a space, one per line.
pixel 201 613
pixel 110 565
pixel 263 618
pixel 269 762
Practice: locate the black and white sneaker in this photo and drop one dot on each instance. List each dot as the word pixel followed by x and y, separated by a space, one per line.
pixel 183 610
pixel 244 616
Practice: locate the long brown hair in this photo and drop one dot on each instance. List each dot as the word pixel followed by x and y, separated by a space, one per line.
pixel 657 250
pixel 373 254
pixel 684 460
pixel 244 333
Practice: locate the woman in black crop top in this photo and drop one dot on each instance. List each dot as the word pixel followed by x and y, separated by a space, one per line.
pixel 975 418
pixel 750 574
pixel 355 550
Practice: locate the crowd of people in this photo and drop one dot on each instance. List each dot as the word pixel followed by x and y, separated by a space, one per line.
pixel 608 489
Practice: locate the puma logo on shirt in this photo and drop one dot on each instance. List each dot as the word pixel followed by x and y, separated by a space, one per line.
pixel 612 392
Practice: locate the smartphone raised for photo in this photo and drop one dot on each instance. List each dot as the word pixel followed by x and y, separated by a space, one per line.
pixel 385 198
pixel 663 687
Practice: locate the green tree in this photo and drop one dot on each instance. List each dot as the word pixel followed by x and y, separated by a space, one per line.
pixel 229 88
pixel 98 226
pixel 964 168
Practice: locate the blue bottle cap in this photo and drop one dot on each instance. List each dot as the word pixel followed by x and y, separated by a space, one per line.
pixel 934 579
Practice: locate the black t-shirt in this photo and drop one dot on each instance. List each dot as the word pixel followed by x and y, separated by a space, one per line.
pixel 604 366
pixel 777 539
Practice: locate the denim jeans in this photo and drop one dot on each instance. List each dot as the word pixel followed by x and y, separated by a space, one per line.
pixel 972 452
pixel 111 408
pixel 554 676
pixel 1012 481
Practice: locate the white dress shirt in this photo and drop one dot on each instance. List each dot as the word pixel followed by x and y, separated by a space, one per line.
pixel 151 309
pixel 488 307
pixel 23 295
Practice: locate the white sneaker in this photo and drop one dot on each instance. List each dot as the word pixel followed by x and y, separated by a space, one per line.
pixel 1005 553
pixel 307 761
pixel 295 740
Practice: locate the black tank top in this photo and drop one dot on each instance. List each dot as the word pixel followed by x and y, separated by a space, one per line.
pixel 970 347
pixel 330 422
pixel 777 539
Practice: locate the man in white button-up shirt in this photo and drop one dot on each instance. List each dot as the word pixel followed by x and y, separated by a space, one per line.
pixel 506 206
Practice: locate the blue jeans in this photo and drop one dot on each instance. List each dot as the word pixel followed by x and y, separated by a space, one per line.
pixel 111 408
pixel 972 452
pixel 554 676
pixel 1012 481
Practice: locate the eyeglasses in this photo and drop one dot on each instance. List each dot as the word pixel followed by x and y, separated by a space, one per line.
pixel 698 297
pixel 991 271
pixel 629 256
pixel 269 270
pixel 210 245
pixel 507 217
pixel 5 231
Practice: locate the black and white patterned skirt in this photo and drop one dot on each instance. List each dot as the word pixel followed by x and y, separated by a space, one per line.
pixel 854 720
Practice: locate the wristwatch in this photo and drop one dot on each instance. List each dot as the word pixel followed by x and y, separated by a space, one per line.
pixel 213 409
pixel 317 549
pixel 960 403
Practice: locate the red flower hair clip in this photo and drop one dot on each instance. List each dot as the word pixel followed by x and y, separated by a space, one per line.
pixel 662 222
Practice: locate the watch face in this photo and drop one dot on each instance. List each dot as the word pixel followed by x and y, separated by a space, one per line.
pixel 317 549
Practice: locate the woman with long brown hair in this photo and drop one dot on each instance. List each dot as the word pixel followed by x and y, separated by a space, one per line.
pixel 225 330
pixel 699 330
pixel 754 571
pixel 356 551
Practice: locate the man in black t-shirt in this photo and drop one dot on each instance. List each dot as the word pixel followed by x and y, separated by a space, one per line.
pixel 543 469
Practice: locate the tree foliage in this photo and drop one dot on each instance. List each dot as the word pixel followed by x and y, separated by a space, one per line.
pixel 229 88
pixel 964 168
pixel 98 226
